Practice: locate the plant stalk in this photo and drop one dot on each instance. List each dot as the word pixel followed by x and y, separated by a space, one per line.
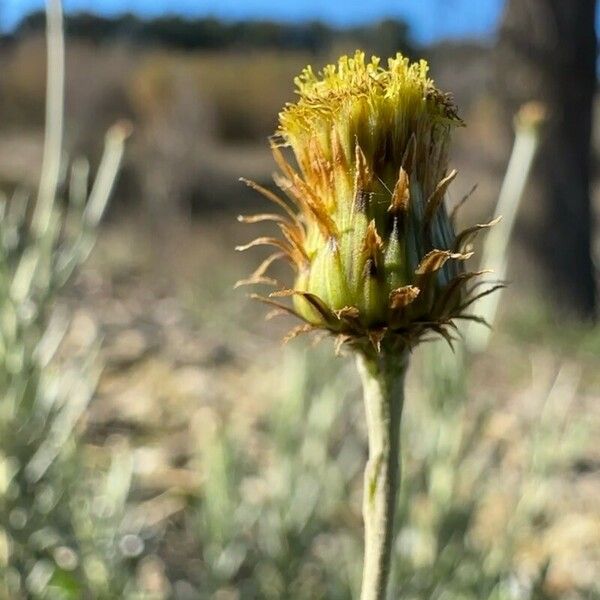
pixel 383 386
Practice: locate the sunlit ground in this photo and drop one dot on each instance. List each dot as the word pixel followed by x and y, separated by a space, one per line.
pixel 247 456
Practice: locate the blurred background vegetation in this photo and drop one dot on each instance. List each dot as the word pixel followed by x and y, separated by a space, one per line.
pixel 156 441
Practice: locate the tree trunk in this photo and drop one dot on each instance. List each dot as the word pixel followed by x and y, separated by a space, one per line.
pixel 547 51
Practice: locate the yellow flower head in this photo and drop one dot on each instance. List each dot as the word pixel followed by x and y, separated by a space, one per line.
pixel 374 252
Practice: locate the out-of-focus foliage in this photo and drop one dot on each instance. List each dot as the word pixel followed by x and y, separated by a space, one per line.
pixel 287 529
pixel 56 529
pixel 285 522
pixel 51 514
pixel 198 122
pixel 384 38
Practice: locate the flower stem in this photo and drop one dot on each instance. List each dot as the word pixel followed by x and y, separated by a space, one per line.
pixel 383 385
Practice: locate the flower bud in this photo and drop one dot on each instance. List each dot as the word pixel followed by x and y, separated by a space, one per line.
pixel 374 251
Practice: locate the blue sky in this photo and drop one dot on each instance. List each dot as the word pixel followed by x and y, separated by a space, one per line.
pixel 429 19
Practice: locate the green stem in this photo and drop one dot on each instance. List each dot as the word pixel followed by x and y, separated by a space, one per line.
pixel 383 385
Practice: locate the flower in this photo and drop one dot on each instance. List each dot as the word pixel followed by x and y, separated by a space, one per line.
pixel 364 224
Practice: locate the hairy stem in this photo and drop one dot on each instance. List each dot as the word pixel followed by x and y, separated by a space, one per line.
pixel 383 385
